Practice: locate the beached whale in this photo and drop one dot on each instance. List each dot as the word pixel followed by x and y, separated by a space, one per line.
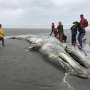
pixel 64 59
pixel 56 52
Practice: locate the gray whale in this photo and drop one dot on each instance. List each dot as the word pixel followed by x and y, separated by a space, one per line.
pixel 56 52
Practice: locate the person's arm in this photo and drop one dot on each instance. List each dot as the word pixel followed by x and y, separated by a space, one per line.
pixel 52 29
pixel 72 27
pixel 51 32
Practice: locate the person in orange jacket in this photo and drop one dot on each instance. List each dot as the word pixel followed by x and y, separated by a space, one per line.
pixel 2 34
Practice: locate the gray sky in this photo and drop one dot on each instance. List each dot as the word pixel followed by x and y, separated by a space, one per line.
pixel 40 13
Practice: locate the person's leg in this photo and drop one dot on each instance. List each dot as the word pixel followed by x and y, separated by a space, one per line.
pixel 3 42
pixel 74 39
pixel 80 37
pixel 61 37
pixel 64 38
pixel 55 34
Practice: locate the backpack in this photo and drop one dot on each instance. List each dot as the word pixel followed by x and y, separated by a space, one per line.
pixel 86 23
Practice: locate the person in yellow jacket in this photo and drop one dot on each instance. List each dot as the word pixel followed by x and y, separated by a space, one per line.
pixel 2 34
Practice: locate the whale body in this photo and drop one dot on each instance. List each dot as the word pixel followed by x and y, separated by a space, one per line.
pixel 57 53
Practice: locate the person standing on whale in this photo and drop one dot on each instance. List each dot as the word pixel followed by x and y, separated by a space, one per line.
pixel 74 33
pixel 60 31
pixel 53 30
pixel 81 28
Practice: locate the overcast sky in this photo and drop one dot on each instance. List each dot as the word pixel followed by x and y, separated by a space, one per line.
pixel 40 13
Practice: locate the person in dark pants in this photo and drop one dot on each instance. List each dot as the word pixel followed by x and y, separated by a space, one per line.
pixel 74 33
pixel 53 30
pixel 60 31
pixel 81 28
pixel 81 35
pixel 64 38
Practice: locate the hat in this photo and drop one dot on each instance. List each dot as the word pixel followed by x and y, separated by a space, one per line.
pixel 76 22
pixel 81 15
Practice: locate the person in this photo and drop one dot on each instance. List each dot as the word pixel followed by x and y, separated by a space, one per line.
pixel 83 21
pixel 60 31
pixel 74 33
pixel 2 34
pixel 53 30
pixel 81 28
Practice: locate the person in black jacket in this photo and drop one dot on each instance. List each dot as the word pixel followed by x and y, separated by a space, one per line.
pixel 74 33
pixel 81 33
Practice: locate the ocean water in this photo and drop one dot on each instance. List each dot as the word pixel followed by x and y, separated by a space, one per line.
pixel 21 69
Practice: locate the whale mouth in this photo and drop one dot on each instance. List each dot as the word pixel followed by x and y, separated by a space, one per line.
pixel 80 75
pixel 77 56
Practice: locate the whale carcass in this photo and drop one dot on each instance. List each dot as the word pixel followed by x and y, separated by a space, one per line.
pixel 57 53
